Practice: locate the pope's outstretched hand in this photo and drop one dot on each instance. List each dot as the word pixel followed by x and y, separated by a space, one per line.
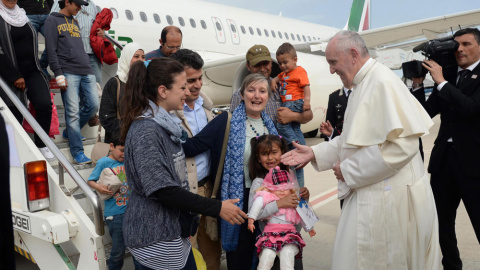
pixel 301 154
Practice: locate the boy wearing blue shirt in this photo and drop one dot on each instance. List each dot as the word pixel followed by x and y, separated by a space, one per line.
pixel 116 205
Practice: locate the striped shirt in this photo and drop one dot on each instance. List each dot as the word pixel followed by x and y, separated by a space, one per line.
pixel 165 255
pixel 85 17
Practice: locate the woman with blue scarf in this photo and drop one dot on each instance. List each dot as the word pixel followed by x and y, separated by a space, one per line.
pixel 156 170
pixel 248 121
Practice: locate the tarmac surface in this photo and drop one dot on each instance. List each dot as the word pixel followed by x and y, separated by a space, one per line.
pixel 322 185
pixel 318 252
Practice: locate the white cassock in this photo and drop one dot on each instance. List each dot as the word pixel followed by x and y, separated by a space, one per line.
pixel 389 219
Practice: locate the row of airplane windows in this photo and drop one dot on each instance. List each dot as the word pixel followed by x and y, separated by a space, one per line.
pixel 193 24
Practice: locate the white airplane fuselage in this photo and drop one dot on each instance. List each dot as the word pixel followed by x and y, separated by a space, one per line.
pixel 222 32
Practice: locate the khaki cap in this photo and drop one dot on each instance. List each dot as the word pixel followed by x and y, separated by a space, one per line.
pixel 257 54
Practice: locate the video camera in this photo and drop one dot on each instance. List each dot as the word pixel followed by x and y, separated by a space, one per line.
pixel 440 50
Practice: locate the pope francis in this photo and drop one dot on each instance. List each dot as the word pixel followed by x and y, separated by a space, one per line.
pixel 388 220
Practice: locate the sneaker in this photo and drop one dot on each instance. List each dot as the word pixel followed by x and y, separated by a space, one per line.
pixel 80 158
pixel 65 136
pixel 46 153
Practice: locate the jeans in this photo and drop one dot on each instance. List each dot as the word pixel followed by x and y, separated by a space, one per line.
pixel 96 66
pixel 38 22
pixel 118 245
pixel 80 88
pixel 189 265
pixel 292 132
pixel 298 173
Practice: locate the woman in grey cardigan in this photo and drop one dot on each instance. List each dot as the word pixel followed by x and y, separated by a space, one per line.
pixel 155 166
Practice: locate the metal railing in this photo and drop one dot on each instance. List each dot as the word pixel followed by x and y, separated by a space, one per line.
pixel 62 160
pixel 116 43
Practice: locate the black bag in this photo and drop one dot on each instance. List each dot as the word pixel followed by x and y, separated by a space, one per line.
pixel 188 223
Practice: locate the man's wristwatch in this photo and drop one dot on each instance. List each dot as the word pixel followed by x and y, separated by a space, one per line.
pixel 417 85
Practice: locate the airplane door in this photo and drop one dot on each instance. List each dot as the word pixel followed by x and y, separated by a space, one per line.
pixel 217 24
pixel 233 31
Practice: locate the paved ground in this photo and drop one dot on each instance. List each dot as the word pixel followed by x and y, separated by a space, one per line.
pixel 318 252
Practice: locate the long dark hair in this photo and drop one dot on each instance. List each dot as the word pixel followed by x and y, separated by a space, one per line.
pixel 264 144
pixel 142 85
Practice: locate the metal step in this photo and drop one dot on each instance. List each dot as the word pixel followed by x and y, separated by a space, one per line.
pixel 77 167
pixel 64 143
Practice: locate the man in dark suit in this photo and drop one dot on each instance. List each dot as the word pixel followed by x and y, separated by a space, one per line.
pixel 455 161
pixel 337 105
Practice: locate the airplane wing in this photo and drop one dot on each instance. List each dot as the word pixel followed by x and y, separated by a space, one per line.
pixel 423 29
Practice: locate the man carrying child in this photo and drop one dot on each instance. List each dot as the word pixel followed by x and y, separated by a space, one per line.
pixel 294 88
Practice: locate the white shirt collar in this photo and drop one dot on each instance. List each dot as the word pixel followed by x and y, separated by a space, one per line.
pixel 471 67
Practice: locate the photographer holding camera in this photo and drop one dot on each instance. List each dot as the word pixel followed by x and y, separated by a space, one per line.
pixel 454 162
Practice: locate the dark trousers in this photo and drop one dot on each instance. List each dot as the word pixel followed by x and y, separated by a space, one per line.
pixel 39 95
pixel 241 258
pixel 449 186
pixel 6 237
pixel 117 254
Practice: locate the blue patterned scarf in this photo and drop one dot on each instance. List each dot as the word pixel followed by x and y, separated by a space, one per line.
pixel 232 181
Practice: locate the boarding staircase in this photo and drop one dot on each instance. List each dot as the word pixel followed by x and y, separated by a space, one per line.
pixel 74 206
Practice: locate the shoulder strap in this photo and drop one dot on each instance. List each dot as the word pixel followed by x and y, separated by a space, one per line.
pixel 222 157
pixel 118 95
pixel 114 173
pixel 99 132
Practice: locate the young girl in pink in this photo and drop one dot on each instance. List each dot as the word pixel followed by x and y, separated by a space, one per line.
pixel 279 235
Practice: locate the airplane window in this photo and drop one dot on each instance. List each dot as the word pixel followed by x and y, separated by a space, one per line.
pixel 251 30
pixel 266 32
pixel 169 20
pixel 115 13
pixel 293 37
pixel 243 29
pixel 286 36
pixel 273 34
pixel 304 39
pixel 129 14
pixel 204 25
pixel 156 18
pixel 193 23
pixel 298 36
pixel 309 39
pixel 98 9
pixel 280 34
pixel 234 30
pixel 143 16
pixel 181 21
pixel 219 27
pixel 259 32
